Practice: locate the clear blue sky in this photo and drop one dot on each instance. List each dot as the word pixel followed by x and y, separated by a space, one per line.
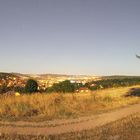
pixel 95 37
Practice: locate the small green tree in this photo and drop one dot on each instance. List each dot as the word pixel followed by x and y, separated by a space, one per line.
pixel 31 86
pixel 64 87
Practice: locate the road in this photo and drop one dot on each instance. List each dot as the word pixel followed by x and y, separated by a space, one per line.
pixel 65 126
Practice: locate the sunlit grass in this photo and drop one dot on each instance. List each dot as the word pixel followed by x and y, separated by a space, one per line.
pixel 53 106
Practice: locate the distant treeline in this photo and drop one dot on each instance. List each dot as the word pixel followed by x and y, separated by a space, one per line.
pixel 110 83
pixel 66 86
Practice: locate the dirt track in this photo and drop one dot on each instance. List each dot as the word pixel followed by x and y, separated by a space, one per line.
pixel 66 126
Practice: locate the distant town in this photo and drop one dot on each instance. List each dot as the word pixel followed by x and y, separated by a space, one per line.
pixel 44 80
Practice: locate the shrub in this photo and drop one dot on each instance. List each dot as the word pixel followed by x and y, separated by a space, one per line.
pixel 4 89
pixel 19 89
pixel 64 87
pixel 31 86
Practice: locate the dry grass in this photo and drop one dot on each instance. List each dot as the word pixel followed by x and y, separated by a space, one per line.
pixel 52 106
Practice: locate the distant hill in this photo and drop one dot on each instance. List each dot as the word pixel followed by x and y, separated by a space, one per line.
pixel 35 76
pixel 47 76
pixel 119 77
pixel 5 75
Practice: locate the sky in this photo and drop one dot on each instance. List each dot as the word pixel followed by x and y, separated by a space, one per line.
pixel 88 37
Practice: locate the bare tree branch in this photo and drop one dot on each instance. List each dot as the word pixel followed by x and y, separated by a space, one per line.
pixel 137 56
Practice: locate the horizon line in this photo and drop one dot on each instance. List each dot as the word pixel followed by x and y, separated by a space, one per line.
pixel 68 74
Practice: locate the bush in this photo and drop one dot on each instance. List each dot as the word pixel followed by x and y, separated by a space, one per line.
pixel 19 89
pixel 64 87
pixel 4 89
pixel 31 86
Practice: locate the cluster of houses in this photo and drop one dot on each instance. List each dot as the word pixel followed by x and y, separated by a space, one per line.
pixel 11 81
pixel 45 83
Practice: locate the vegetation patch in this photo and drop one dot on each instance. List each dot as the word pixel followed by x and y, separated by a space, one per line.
pixel 37 107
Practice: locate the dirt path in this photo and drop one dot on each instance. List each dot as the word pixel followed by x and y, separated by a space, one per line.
pixel 65 126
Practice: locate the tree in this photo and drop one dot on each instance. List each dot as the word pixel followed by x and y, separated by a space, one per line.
pixel 31 86
pixel 64 87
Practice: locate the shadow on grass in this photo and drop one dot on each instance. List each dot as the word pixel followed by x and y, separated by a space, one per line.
pixel 133 92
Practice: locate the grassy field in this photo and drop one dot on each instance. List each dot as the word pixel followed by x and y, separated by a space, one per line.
pixel 125 129
pixel 39 107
